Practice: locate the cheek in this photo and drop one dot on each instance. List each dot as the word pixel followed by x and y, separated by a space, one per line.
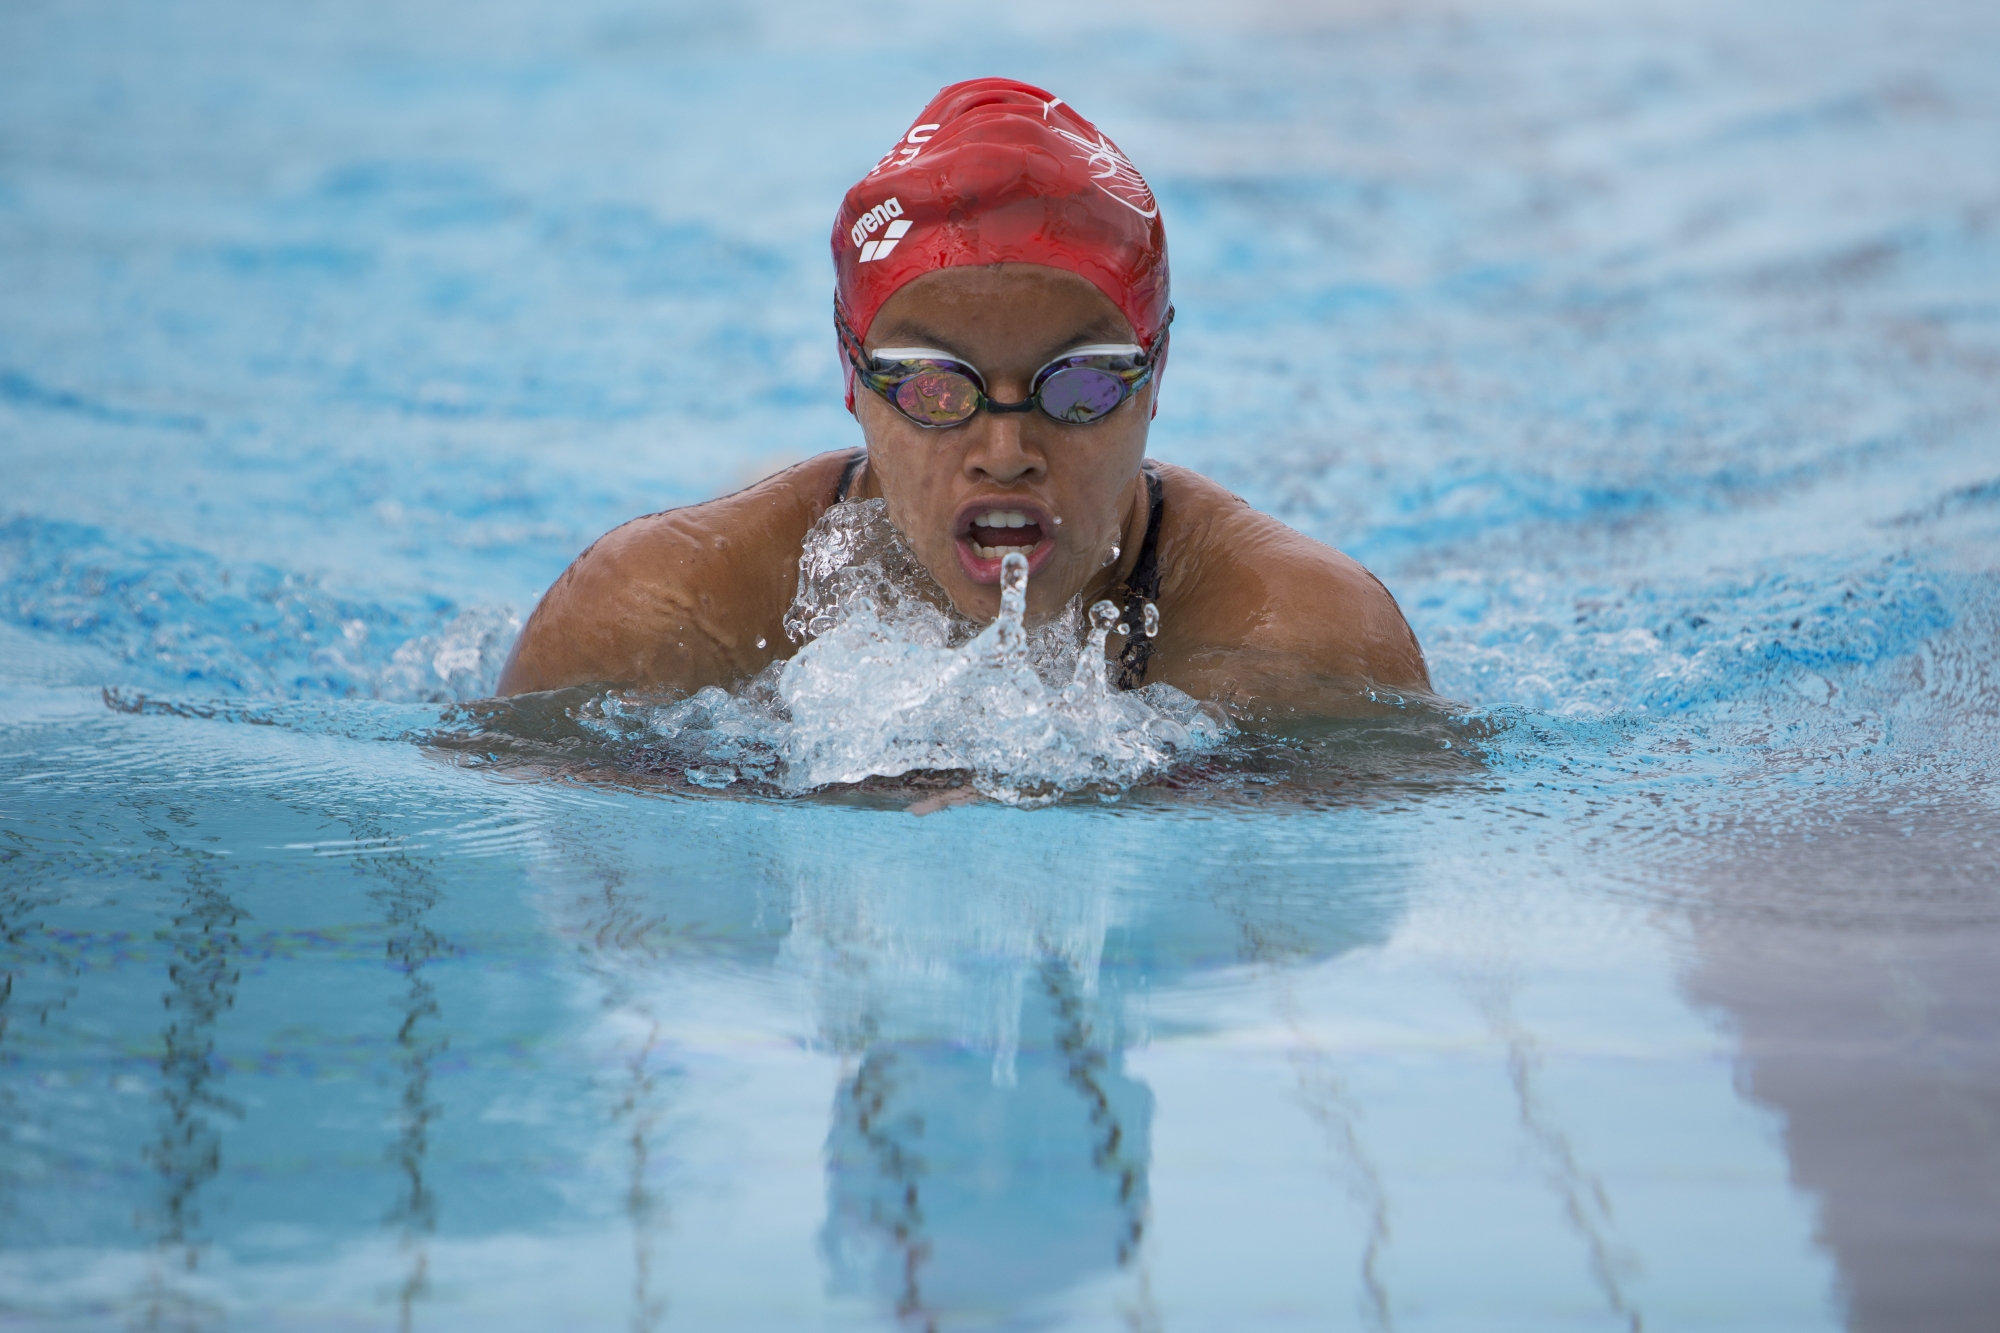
pixel 1090 545
pixel 909 475
pixel 1095 499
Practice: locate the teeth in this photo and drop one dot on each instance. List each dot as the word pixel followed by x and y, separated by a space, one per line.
pixel 995 552
pixel 999 520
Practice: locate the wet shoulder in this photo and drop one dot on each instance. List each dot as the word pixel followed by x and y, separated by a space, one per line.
pixel 1237 578
pixel 682 598
pixel 775 511
pixel 1213 543
pixel 764 523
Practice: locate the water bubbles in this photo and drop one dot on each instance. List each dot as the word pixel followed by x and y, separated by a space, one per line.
pixel 460 661
pixel 1111 556
pixel 1013 584
pixel 1090 665
pixel 1009 632
pixel 1149 621
pixel 892 680
pixel 852 547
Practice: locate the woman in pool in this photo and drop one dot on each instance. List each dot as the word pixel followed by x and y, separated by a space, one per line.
pixel 1002 309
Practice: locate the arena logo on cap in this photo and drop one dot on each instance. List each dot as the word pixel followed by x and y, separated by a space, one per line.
pixel 887 218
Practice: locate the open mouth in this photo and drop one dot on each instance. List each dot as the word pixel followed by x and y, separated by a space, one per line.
pixel 988 533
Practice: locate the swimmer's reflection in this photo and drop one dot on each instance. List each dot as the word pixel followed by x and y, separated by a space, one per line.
pixel 964 1184
pixel 989 1151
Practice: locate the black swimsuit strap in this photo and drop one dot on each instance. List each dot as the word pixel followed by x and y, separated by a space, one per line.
pixel 1141 587
pixel 847 475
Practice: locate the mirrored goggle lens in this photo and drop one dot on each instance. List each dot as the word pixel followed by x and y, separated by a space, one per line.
pixel 937 397
pixel 1081 394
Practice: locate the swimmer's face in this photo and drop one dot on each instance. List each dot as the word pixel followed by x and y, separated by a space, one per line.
pixel 964 496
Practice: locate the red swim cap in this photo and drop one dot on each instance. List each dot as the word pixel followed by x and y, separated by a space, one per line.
pixel 994 171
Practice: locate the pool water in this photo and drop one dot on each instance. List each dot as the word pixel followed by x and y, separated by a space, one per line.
pixel 1651 355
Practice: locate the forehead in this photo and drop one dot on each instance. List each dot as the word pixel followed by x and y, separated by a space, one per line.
pixel 999 312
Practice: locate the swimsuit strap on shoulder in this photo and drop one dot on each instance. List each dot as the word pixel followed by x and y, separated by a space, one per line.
pixel 847 475
pixel 1141 587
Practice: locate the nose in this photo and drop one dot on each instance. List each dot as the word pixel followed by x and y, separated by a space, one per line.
pixel 1000 450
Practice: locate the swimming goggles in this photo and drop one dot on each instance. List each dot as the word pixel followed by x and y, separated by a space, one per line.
pixel 935 389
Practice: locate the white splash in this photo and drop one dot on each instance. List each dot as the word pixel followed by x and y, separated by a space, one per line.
pixel 891 680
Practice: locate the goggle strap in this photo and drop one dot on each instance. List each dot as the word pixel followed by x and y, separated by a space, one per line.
pixel 848 338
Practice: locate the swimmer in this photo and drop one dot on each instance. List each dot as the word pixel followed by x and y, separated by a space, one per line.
pixel 1001 306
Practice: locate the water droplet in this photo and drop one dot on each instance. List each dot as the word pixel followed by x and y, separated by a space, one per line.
pixel 1150 621
pixel 1112 558
pixel 1088 680
pixel 760 642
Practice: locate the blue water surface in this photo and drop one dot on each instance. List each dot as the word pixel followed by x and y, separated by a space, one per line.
pixel 1650 353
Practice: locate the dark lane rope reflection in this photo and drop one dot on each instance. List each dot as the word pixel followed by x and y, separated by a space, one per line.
pixel 39 979
pixel 1327 1101
pixel 1586 1204
pixel 621 930
pixel 203 973
pixel 408 892
pixel 1279 953
pixel 894 1161
pixel 1085 1057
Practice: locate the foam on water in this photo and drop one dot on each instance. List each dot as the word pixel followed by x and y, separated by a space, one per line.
pixel 179 619
pixel 1672 647
pixel 890 680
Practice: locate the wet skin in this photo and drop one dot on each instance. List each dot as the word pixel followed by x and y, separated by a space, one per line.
pixel 1253 615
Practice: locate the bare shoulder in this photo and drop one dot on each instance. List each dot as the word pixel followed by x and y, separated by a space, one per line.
pixel 1258 614
pixel 680 599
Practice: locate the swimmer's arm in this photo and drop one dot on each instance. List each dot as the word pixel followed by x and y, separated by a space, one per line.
pixel 680 600
pixel 1272 624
